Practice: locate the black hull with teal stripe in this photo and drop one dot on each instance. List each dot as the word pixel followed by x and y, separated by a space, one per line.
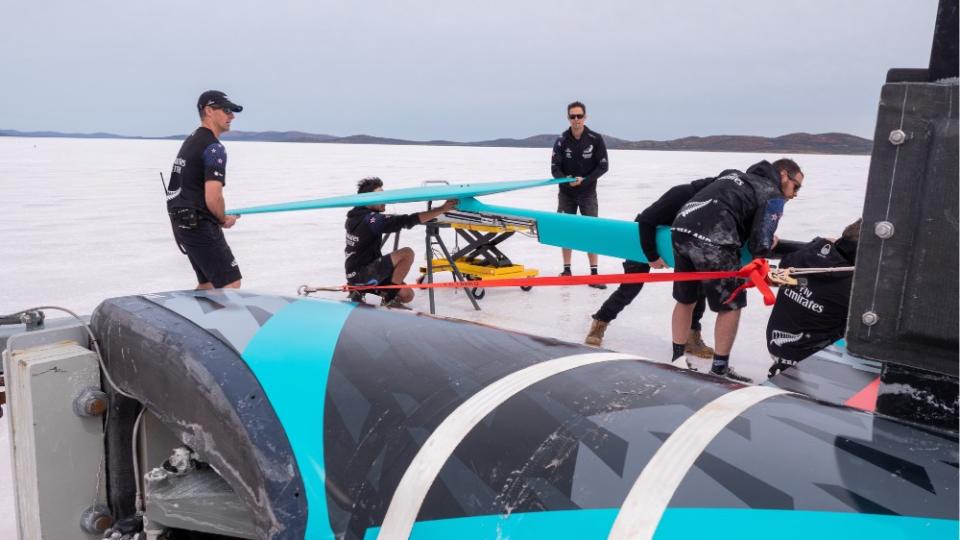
pixel 332 420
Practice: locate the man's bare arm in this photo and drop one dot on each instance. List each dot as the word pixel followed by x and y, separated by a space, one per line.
pixel 213 195
pixel 430 214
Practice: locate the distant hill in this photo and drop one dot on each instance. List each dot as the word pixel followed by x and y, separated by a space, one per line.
pixel 276 136
pixel 58 134
pixel 537 141
pixel 793 143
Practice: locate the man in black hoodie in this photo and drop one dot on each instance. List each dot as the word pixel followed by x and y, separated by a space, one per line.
pixel 582 154
pixel 813 314
pixel 661 212
pixel 364 263
pixel 737 209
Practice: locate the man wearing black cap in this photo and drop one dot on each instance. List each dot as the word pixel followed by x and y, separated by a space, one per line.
pixel 195 195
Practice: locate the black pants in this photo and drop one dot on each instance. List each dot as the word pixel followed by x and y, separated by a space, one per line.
pixel 626 292
pixel 691 254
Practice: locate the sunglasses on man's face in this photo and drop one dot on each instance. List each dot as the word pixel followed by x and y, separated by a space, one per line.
pixel 796 183
pixel 575 116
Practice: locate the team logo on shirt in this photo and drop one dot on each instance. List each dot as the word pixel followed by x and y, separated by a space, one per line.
pixel 588 152
pixel 781 338
pixel 825 250
pixel 803 296
pixel 568 153
pixel 692 207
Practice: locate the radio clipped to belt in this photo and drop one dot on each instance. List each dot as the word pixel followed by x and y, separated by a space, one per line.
pixel 184 218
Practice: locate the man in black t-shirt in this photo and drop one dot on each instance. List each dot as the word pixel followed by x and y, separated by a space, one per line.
pixel 813 314
pixel 581 154
pixel 195 195
pixel 364 263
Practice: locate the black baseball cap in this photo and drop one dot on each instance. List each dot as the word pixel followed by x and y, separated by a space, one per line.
pixel 217 100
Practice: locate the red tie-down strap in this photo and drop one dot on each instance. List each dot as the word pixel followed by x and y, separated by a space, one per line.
pixel 755 273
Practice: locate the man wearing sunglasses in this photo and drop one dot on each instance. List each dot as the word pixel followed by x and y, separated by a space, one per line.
pixel 582 154
pixel 195 195
pixel 737 209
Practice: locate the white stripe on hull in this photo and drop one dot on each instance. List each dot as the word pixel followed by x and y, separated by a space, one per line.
pixel 425 467
pixel 644 505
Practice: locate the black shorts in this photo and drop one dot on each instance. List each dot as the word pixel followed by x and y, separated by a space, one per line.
pixel 694 255
pixel 209 253
pixel 378 272
pixel 586 203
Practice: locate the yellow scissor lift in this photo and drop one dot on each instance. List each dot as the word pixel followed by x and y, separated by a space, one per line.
pixel 480 259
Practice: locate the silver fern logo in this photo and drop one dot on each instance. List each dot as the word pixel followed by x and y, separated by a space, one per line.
pixel 691 207
pixel 781 338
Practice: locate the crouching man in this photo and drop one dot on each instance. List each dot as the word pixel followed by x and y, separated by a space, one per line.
pixel 813 314
pixel 364 263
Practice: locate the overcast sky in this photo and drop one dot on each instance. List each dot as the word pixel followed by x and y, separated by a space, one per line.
pixel 458 70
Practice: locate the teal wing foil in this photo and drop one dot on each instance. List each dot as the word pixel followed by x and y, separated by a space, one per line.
pixel 404 195
pixel 604 236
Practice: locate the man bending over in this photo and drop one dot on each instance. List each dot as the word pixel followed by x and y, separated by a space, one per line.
pixel 737 209
pixel 813 314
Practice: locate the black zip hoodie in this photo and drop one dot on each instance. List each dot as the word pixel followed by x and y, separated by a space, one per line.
pixel 813 314
pixel 586 158
pixel 738 208
pixel 364 228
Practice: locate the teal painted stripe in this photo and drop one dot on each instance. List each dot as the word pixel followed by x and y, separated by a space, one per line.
pixel 291 357
pixel 747 524
pixel 559 524
pixel 610 237
pixel 687 523
pixel 414 194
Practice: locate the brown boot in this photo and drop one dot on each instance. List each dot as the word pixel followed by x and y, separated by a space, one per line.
pixel 697 347
pixel 595 337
